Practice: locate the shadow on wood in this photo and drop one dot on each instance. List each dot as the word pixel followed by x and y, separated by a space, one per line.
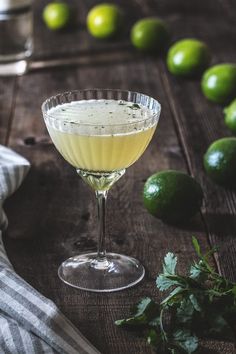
pixel 222 225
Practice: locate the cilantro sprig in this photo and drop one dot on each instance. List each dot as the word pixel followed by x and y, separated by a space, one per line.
pixel 199 305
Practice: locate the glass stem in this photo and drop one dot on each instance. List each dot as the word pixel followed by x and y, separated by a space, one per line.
pixel 101 197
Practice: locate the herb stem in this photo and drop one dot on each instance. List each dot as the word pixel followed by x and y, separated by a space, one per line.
pixel 162 326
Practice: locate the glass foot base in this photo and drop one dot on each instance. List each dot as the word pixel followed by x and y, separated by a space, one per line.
pixel 116 272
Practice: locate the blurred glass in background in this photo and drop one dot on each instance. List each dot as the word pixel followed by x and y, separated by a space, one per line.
pixel 16 36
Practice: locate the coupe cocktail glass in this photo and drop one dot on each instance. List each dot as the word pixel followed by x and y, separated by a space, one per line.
pixel 101 133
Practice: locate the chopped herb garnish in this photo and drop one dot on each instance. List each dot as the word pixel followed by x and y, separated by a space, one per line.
pixel 201 304
pixel 134 106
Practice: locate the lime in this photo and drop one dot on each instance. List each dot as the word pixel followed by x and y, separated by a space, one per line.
pixel 104 20
pixel 172 196
pixel 56 15
pixel 149 34
pixel 188 57
pixel 220 161
pixel 230 116
pixel 219 83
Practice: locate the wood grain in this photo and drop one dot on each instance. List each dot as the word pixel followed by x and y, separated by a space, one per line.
pixel 53 215
pixel 58 214
pixel 8 89
pixel 199 123
pixel 76 39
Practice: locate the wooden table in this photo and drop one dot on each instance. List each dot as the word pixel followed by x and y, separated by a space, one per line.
pixel 53 215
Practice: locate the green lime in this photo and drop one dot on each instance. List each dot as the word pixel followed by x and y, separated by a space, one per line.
pixel 188 57
pixel 172 196
pixel 220 161
pixel 230 116
pixel 104 20
pixel 149 34
pixel 56 15
pixel 219 83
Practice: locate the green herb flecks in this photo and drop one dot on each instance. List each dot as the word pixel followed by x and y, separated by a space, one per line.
pixel 199 305
pixel 134 106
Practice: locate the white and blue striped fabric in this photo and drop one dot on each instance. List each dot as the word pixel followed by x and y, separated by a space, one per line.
pixel 29 322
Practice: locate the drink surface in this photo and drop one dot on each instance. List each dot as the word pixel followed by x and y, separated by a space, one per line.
pixel 101 135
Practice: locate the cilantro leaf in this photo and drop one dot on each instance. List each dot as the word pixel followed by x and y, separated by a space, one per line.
pixel 146 307
pixel 185 311
pixel 203 258
pixel 169 264
pixel 195 271
pixel 167 279
pixel 164 283
pixel 174 297
pixel 233 290
pixel 144 312
pixel 185 340
pixel 153 338
pixel 132 321
pixel 134 106
pixel 196 247
pixel 140 308
pixel 195 302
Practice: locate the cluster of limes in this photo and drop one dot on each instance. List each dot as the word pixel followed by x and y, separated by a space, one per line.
pixel 190 57
pixel 171 195
pixel 174 196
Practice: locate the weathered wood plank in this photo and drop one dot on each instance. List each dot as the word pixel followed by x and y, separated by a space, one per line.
pixel 8 90
pixel 85 59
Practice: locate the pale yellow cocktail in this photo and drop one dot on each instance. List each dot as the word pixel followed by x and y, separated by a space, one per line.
pixel 106 134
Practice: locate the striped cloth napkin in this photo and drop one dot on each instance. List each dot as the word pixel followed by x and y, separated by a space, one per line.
pixel 29 322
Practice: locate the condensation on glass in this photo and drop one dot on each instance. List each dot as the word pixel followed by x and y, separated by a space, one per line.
pixel 16 36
